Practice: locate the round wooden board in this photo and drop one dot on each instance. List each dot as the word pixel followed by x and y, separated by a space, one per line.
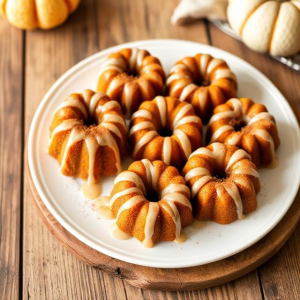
pixel 180 279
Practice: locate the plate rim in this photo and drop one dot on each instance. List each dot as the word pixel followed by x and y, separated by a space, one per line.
pixel 158 42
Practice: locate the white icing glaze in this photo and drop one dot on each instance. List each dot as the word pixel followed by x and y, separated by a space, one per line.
pixel 261 116
pixel 221 131
pixel 237 112
pixel 113 68
pixel 132 177
pixel 132 202
pixel 181 113
pixel 101 206
pixel 172 210
pixel 125 192
pixel 140 126
pixel 234 193
pixel 199 171
pixel 147 138
pixel 151 218
pixel 151 173
pixel 199 184
pixel 267 137
pixel 162 109
pixel 237 156
pixel 175 187
pixel 202 97
pixel 167 150
pixel 213 64
pixel 224 73
pixel 234 138
pixel 143 113
pixel 70 102
pixel 217 153
pixel 114 61
pixel 176 76
pixel 187 91
pixel 177 197
pixel 117 233
pixel 188 119
pixel 184 141
pixel 245 171
pixel 113 128
pixel 204 59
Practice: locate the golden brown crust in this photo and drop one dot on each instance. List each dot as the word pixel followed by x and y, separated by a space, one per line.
pixel 72 120
pixel 131 76
pixel 203 81
pixel 247 125
pixel 133 219
pixel 224 182
pixel 157 147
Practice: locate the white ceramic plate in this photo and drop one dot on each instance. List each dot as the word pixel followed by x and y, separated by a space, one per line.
pixel 62 197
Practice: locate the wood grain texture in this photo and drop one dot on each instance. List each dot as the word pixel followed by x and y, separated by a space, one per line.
pixel 50 272
pixel 11 139
pixel 179 279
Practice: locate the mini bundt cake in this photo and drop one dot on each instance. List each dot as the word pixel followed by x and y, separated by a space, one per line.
pixel 203 81
pixel 131 76
pixel 88 136
pixel 223 181
pixel 247 125
pixel 165 129
pixel 139 214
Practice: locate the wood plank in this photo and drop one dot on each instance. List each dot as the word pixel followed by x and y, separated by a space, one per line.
pixel 11 105
pixel 121 21
pixel 280 276
pixel 50 272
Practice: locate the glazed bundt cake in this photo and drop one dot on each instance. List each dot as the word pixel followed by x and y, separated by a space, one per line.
pixel 88 136
pixel 247 125
pixel 131 76
pixel 203 81
pixel 223 181
pixel 165 129
pixel 151 202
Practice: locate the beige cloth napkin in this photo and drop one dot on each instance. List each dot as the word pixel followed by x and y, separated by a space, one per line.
pixel 188 10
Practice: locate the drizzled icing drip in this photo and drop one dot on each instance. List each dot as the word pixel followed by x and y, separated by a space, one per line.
pixel 234 193
pixel 162 109
pixel 184 141
pixel 91 107
pixel 202 176
pixel 210 69
pixel 182 112
pixel 147 138
pixel 170 195
pixel 238 114
pixel 167 150
pixel 139 87
pixel 182 117
pixel 151 218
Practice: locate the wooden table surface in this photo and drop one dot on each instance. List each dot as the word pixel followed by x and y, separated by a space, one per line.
pixel 33 265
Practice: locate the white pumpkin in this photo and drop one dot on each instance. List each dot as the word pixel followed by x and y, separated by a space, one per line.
pixel 267 26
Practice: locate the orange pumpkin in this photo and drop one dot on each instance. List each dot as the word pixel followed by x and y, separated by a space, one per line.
pixel 30 14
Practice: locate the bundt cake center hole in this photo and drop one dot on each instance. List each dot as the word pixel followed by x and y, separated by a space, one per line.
pixel 153 196
pixel 165 132
pixel 238 125
pixel 220 175
pixel 90 122
pixel 205 83
pixel 132 73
